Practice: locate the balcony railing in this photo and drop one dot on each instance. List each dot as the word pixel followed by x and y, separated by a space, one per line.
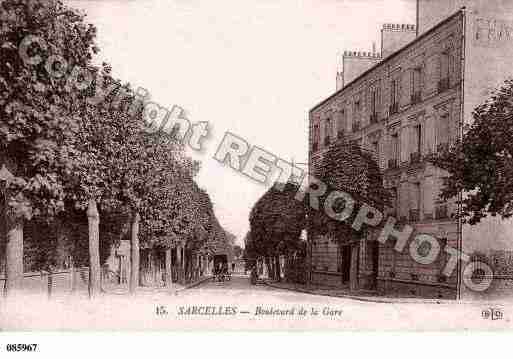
pixel 415 98
pixel 327 141
pixel 392 163
pixel 394 108
pixel 443 85
pixel 374 117
pixel 356 126
pixel 414 215
pixel 441 212
pixel 415 157
pixel 428 216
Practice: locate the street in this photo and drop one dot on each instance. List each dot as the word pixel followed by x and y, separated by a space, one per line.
pixel 236 305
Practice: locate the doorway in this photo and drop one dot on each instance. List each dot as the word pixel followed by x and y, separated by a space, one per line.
pixel 345 262
pixel 374 245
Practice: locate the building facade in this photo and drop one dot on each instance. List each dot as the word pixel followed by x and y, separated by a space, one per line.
pixel 410 105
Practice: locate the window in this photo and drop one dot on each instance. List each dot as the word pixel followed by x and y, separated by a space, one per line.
pixel 316 138
pixel 356 118
pixel 416 78
pixel 341 125
pixel 445 70
pixel 444 65
pixel 374 103
pixel 357 106
pixel 393 160
pixel 328 131
pixel 417 204
pixel 374 100
pixel 395 146
pixel 375 150
pixel 395 200
pixel 417 195
pixel 417 143
pixel 418 130
pixel 393 92
pixel 443 130
pixel 394 96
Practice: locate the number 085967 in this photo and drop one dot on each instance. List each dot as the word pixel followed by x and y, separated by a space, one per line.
pixel 21 347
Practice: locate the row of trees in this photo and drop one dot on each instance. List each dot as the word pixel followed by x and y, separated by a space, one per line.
pixel 66 156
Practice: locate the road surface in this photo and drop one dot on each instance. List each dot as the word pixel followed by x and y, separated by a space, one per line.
pixel 235 305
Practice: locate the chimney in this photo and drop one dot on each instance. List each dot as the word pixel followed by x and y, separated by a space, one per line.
pixel 354 64
pixel 396 36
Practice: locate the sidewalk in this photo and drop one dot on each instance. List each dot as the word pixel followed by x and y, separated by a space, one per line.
pixel 361 295
pixel 174 289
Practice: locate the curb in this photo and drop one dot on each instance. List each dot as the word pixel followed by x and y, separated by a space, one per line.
pixel 362 299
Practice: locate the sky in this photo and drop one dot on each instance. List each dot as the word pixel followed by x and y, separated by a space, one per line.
pixel 253 68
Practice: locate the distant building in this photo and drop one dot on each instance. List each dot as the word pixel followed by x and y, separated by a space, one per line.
pixel 405 104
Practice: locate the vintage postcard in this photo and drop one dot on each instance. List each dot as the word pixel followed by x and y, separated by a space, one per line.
pixel 291 165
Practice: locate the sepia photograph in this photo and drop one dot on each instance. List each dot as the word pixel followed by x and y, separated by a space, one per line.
pixel 256 166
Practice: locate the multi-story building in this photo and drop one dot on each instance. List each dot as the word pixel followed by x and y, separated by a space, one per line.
pixel 408 103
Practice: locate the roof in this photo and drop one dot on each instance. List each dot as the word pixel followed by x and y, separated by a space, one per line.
pixel 391 56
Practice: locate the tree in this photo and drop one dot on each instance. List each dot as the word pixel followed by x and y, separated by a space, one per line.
pixel 480 165
pixel 146 167
pixel 38 127
pixel 347 168
pixel 276 221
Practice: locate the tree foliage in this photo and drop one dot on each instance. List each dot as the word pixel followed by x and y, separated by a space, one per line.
pixel 276 221
pixel 38 111
pixel 62 145
pixel 346 167
pixel 480 165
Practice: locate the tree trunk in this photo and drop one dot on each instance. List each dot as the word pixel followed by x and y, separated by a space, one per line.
pixel 134 252
pixel 178 264
pixel 278 268
pixel 169 272
pixel 270 270
pixel 14 256
pixel 93 219
pixel 72 275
